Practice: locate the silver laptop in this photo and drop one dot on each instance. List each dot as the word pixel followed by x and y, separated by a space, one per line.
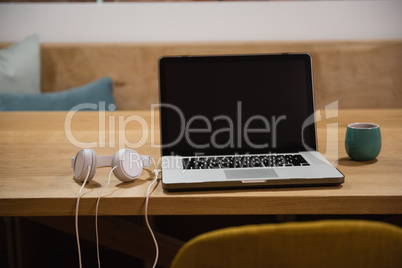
pixel 240 121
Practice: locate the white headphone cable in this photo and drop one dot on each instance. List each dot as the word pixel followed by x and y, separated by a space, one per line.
pixel 156 172
pixel 96 217
pixel 76 217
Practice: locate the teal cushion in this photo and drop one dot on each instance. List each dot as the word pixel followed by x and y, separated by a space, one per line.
pixel 97 95
pixel 20 67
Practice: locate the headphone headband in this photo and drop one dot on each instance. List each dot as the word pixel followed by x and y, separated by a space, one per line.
pixel 106 161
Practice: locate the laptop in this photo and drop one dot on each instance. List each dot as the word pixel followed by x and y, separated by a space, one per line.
pixel 239 121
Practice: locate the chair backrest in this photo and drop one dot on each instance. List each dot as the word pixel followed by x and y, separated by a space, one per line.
pixel 304 244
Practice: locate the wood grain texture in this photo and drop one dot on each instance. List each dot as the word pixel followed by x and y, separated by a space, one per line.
pixel 357 74
pixel 36 177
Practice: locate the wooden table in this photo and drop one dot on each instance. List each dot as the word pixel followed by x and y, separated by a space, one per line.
pixel 36 176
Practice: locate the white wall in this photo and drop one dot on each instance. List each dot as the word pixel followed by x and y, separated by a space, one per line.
pixel 202 21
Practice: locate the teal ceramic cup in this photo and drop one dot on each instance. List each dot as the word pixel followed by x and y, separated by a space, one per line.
pixel 363 141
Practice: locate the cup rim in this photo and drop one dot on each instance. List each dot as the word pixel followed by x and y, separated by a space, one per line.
pixel 363 125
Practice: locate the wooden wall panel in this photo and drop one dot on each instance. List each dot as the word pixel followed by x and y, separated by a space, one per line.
pixel 358 74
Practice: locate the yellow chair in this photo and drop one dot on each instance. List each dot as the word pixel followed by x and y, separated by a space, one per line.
pixel 322 244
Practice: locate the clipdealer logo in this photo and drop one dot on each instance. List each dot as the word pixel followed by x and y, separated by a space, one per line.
pixel 188 126
pixel 108 125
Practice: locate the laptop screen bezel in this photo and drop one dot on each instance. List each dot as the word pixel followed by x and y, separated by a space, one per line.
pixel 166 60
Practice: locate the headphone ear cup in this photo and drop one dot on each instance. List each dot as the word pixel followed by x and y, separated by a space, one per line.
pixel 83 159
pixel 127 164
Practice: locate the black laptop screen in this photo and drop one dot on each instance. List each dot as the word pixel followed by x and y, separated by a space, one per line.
pixel 219 105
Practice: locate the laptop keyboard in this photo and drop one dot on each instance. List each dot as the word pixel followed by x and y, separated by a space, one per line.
pixel 247 161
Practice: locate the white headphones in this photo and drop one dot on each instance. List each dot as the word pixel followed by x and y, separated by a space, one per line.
pixel 127 164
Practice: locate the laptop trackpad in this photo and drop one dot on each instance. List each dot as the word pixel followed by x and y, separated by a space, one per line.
pixel 250 173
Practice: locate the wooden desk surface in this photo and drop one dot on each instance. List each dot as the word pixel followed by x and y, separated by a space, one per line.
pixel 36 177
